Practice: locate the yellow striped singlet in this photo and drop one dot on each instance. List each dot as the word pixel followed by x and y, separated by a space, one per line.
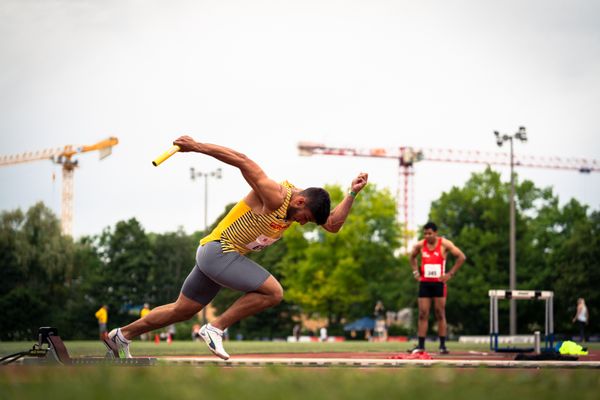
pixel 244 231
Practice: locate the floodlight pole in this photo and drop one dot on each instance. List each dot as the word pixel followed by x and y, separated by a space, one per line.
pixel 217 174
pixel 512 244
pixel 522 136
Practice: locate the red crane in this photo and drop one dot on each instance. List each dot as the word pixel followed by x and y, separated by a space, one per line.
pixel 408 156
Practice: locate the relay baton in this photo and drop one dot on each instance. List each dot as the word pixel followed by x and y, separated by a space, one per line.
pixel 174 149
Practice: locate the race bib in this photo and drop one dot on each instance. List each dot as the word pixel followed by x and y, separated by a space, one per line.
pixel 432 270
pixel 261 242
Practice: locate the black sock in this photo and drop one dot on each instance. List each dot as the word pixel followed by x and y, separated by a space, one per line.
pixel 442 342
pixel 421 342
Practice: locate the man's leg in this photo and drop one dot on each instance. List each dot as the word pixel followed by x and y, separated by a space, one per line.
pixel 439 304
pixel 181 310
pixel 424 307
pixel 269 294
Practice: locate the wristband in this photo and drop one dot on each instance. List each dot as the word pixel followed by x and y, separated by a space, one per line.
pixel 353 194
pixel 416 273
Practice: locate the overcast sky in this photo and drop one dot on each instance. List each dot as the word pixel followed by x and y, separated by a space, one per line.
pixel 260 76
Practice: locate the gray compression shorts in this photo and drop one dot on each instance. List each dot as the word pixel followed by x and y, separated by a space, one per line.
pixel 215 269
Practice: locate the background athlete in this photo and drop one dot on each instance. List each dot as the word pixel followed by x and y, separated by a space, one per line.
pixel 432 277
pixel 255 222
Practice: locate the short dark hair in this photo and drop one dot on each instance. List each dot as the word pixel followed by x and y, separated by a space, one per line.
pixel 430 225
pixel 318 202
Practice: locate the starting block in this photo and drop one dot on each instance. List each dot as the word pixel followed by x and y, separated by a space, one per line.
pixel 51 350
pixel 545 295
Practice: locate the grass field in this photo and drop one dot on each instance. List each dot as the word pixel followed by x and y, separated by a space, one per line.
pixel 289 383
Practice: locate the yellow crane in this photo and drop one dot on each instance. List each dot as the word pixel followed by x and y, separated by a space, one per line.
pixel 63 156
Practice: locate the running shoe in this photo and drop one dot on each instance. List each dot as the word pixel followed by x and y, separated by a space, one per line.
pixel 214 339
pixel 443 350
pixel 416 350
pixel 122 344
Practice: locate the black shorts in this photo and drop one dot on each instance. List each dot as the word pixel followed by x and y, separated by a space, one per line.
pixel 432 289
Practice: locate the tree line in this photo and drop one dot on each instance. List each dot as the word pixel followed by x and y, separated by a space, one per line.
pixel 50 279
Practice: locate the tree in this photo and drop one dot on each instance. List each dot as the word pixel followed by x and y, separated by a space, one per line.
pixel 342 275
pixel 127 256
pixel 550 250
pixel 173 257
pixel 36 263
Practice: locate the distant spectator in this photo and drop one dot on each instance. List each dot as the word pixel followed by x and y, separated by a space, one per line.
pixel 296 332
pixel 380 323
pixel 143 312
pixel 323 334
pixel 102 317
pixel 581 318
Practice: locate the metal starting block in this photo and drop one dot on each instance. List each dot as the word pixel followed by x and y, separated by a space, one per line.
pixel 51 350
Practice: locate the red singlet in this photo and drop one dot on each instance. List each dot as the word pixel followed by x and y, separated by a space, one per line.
pixel 433 263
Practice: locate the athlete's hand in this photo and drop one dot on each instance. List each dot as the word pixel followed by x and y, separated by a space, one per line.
pixel 446 277
pixel 185 143
pixel 359 182
pixel 416 275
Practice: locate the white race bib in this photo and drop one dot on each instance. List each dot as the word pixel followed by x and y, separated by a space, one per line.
pixel 432 270
pixel 261 242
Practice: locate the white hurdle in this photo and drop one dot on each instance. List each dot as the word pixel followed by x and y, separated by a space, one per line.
pixel 546 295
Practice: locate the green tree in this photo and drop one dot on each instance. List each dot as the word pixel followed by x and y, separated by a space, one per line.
pixel 86 293
pixel 127 257
pixel 341 276
pixel 550 250
pixel 36 263
pixel 568 240
pixel 173 257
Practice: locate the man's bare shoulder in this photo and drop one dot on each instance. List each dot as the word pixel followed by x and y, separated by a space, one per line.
pixel 447 242
pixel 417 247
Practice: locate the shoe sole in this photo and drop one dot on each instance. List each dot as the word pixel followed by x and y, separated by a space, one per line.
pixel 208 342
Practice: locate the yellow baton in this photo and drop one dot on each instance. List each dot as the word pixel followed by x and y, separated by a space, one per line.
pixel 174 149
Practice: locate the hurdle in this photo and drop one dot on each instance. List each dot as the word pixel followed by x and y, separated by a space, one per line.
pixel 547 296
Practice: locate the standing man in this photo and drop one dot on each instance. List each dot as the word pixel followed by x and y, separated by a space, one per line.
pixel 432 278
pixel 254 223
pixel 102 317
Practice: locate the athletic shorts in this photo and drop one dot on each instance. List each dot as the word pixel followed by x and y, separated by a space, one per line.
pixel 215 269
pixel 432 289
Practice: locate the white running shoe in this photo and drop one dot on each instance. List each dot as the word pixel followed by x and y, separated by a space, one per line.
pixel 214 339
pixel 122 344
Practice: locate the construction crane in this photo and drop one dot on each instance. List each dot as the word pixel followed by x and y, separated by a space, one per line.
pixel 63 156
pixel 408 156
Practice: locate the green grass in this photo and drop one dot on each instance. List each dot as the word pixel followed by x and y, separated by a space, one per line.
pixel 139 348
pixel 272 383
pixel 280 382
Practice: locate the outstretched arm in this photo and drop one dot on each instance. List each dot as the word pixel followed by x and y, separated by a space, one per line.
pixel 269 191
pixel 338 215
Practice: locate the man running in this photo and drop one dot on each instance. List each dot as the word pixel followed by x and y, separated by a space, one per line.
pixel 432 277
pixel 254 223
